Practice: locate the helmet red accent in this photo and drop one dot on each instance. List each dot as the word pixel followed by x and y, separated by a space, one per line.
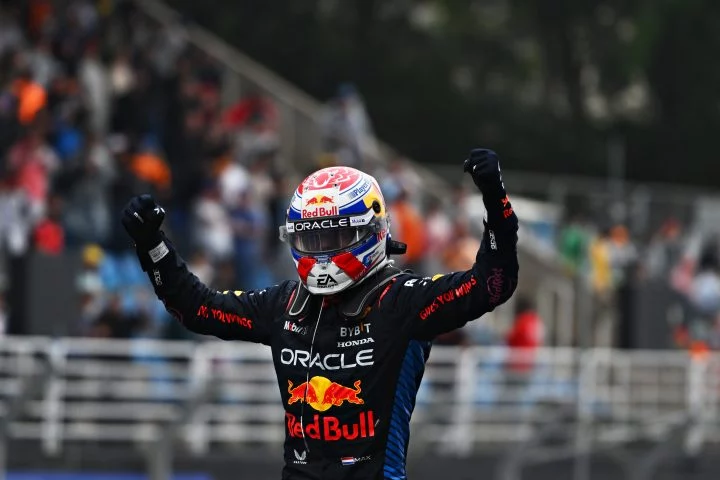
pixel 349 264
pixel 305 264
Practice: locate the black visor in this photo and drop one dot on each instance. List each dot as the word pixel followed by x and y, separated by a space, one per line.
pixel 330 240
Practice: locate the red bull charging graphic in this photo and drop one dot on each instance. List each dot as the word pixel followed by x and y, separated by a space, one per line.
pixel 322 394
pixel 318 199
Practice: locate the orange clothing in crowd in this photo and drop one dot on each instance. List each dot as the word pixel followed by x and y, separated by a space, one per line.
pixel 460 254
pixel 152 169
pixel 31 98
pixel 411 228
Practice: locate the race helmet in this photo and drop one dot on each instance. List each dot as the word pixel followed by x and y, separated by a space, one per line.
pixel 337 228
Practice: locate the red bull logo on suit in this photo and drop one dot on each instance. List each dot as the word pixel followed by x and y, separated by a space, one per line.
pixel 321 393
pixel 331 429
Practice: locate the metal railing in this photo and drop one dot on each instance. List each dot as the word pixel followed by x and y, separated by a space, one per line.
pixel 471 398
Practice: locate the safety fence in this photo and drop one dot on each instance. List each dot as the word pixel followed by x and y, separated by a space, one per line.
pixel 71 389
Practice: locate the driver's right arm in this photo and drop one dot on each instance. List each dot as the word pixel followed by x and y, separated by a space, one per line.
pixel 228 315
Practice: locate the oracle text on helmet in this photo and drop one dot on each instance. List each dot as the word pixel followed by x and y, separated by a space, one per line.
pixel 321 224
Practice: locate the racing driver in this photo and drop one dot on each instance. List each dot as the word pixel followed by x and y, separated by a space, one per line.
pixel 350 336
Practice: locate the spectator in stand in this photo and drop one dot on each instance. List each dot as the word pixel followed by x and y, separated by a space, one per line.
pixel 622 253
pixel 32 97
pixel 91 289
pixel 664 250
pixel 122 84
pixel 408 225
pixel 438 229
pixel 262 185
pixel 148 165
pixel 404 175
pixel 15 219
pixel 31 165
pixel 42 63
pixel 113 322
pixel 253 123
pixel 253 108
pixel 249 231
pixel 49 233
pixel 95 88
pixel 88 202
pixel 202 267
pixel 462 249
pixel 212 229
pixel 187 161
pixel 526 335
pixel 600 264
pixel 347 131
pixel 459 202
pixel 574 243
pixel 69 136
pixel 705 288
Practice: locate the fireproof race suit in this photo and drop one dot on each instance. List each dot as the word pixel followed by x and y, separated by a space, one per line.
pixel 349 367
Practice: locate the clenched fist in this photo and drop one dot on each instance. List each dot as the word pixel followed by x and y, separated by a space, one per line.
pixel 484 167
pixel 142 218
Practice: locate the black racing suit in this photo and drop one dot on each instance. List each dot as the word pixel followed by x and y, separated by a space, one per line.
pixel 349 366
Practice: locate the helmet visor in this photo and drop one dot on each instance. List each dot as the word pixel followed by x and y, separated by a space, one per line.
pixel 331 240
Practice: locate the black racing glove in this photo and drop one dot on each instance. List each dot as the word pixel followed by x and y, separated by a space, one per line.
pixel 142 218
pixel 483 165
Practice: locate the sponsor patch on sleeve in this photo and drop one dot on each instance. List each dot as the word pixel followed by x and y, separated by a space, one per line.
pixel 159 252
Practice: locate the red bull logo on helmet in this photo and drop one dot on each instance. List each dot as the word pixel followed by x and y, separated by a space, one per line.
pixel 318 200
pixel 320 204
pixel 322 394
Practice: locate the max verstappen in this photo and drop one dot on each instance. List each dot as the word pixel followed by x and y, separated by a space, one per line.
pixel 351 336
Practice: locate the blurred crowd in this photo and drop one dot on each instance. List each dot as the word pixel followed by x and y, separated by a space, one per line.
pixel 97 103
pixel 683 261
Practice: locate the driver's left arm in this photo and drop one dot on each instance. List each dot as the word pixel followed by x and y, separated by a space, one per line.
pixel 443 303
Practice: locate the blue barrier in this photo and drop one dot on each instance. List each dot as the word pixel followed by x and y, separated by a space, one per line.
pixel 97 476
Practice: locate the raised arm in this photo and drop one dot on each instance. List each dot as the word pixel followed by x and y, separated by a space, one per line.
pixel 234 315
pixel 445 302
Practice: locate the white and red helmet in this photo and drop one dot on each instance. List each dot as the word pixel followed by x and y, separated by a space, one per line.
pixel 337 228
